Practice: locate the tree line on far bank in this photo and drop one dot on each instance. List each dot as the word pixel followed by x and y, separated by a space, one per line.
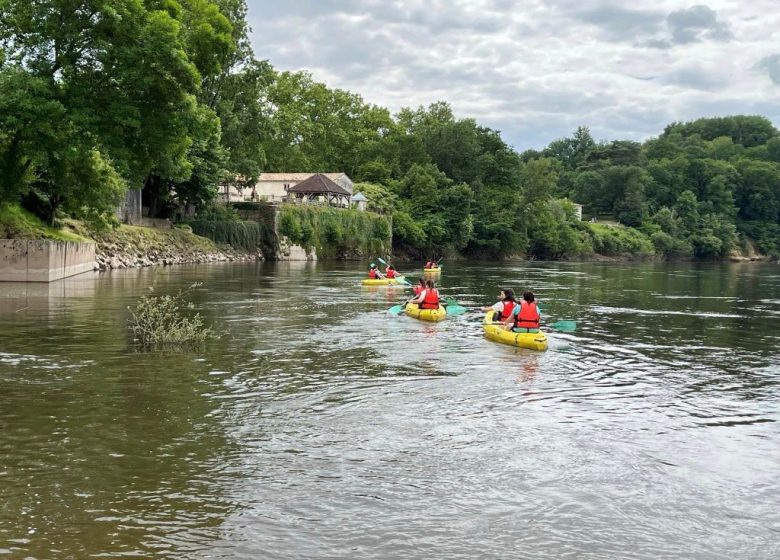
pixel 97 96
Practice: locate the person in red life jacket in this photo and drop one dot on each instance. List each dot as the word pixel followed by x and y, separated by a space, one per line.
pixel 427 264
pixel 504 307
pixel 373 273
pixel 429 297
pixel 525 316
pixel 390 271
pixel 417 290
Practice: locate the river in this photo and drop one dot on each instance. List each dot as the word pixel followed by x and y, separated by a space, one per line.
pixel 318 426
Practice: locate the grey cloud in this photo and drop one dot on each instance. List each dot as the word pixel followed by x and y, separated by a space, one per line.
pixel 696 78
pixel 621 23
pixel 514 68
pixel 657 44
pixel 771 64
pixel 696 24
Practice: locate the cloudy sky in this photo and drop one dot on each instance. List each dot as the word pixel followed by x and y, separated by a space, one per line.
pixel 537 69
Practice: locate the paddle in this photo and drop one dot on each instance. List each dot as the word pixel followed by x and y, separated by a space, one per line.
pixel 396 310
pixel 453 308
pixel 564 326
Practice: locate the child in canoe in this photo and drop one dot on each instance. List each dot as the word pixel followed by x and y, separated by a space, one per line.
pixel 525 315
pixel 373 273
pixel 504 307
pixel 428 298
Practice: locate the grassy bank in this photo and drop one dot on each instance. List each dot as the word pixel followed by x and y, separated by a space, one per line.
pixel 17 223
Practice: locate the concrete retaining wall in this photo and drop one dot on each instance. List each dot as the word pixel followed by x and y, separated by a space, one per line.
pixel 43 261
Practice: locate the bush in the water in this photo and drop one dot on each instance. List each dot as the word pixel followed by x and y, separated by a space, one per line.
pixel 161 322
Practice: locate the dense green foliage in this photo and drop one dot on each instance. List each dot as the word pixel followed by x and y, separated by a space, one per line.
pixel 97 96
pixel 692 191
pixel 334 232
pixel 239 234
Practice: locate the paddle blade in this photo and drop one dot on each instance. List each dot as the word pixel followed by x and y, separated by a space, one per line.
pixel 455 309
pixel 396 310
pixel 564 326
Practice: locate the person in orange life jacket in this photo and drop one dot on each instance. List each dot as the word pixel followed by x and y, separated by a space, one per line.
pixel 525 316
pixel 373 273
pixel 390 271
pixel 429 297
pixel 504 307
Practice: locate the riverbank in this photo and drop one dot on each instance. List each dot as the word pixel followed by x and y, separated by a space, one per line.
pixel 125 246
pixel 137 247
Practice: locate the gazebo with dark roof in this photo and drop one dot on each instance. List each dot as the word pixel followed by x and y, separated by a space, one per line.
pixel 319 185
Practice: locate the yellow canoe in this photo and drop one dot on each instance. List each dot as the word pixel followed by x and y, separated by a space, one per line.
pixel 432 315
pixel 384 281
pixel 496 333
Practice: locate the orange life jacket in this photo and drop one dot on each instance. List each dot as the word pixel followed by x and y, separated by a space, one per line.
pixel 390 273
pixel 528 318
pixel 372 274
pixel 431 300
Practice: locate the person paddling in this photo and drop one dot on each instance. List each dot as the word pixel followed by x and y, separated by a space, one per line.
pixel 417 290
pixel 525 316
pixel 390 271
pixel 373 273
pixel 429 297
pixel 504 307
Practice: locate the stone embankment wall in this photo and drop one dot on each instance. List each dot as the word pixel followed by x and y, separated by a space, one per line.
pixel 37 260
pixel 268 213
pixel 134 247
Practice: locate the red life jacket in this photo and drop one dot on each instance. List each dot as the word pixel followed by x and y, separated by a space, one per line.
pixel 390 273
pixel 528 318
pixel 507 310
pixel 417 289
pixel 372 274
pixel 431 300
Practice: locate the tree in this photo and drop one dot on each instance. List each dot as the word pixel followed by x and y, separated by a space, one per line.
pixel 572 152
pixel 758 190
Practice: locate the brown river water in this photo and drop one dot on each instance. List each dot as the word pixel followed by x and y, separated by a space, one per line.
pixel 318 426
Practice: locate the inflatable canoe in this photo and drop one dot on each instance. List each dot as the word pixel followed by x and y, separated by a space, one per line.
pixel 384 281
pixel 433 315
pixel 432 270
pixel 496 333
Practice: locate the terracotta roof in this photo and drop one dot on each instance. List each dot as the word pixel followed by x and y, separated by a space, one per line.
pixel 295 177
pixel 318 184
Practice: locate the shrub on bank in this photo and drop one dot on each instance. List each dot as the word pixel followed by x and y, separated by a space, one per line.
pixel 619 240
